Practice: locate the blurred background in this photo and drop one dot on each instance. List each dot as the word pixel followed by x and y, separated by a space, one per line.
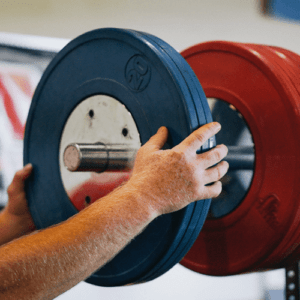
pixel 181 24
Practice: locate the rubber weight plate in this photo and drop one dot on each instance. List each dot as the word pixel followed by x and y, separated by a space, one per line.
pixel 121 65
pixel 285 68
pixel 289 63
pixel 185 73
pixel 243 239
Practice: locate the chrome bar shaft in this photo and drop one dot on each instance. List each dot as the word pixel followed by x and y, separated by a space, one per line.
pixel 100 157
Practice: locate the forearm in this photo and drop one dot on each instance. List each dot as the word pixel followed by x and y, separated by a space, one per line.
pixel 47 263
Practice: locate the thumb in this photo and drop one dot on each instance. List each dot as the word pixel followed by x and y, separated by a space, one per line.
pixel 26 171
pixel 17 185
pixel 158 140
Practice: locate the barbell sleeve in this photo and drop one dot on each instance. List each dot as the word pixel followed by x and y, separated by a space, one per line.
pixel 98 157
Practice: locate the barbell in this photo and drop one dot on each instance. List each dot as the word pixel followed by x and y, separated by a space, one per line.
pixel 108 91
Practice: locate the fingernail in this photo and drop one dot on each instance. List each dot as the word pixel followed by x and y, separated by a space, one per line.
pixel 217 125
pixel 161 129
pixel 28 166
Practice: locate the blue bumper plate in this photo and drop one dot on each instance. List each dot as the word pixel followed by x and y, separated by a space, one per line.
pixel 165 92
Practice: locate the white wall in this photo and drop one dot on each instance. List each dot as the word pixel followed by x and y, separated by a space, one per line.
pixel 182 24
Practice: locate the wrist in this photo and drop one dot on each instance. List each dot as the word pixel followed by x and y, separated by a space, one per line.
pixel 143 197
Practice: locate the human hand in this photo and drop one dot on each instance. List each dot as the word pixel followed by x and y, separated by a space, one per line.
pixel 174 178
pixel 16 216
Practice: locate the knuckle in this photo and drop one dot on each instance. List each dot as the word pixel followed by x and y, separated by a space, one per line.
pixel 219 152
pixel 217 155
pixel 10 190
pixel 18 175
pixel 214 155
pixel 222 168
pixel 219 172
pixel 200 136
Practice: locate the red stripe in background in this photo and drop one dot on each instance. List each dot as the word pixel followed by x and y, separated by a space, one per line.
pixel 23 83
pixel 18 127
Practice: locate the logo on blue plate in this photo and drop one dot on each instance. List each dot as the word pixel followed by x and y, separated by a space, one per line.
pixel 137 73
